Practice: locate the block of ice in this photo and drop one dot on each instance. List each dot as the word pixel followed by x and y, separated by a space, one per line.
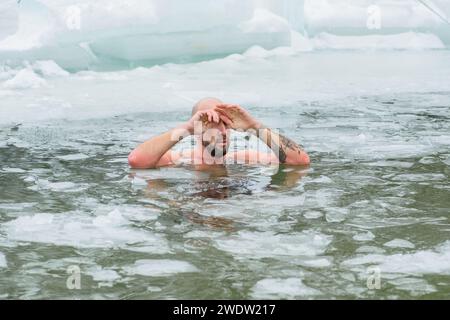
pixel 103 275
pixel 68 229
pixel 290 288
pixel 49 68
pixel 435 261
pixel 3 263
pixel 80 34
pixel 159 268
pixel 25 79
pixel 368 17
pixel 399 243
pixel 266 244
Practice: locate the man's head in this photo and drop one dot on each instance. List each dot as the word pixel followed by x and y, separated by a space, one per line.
pixel 215 136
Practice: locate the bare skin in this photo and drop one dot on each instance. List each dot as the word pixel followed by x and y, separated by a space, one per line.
pixel 216 119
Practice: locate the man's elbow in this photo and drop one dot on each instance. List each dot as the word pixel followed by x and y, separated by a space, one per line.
pixel 137 161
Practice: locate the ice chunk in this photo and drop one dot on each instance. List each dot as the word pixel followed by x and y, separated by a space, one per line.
pixel 103 275
pixel 25 79
pixel 159 268
pixel 413 285
pixel 49 68
pixel 421 262
pixel 368 236
pixel 76 34
pixel 268 244
pixel 399 243
pixel 63 186
pixel 12 170
pixel 36 26
pixel 275 288
pixel 73 157
pixel 367 259
pixel 370 249
pixel 3 263
pixel 77 230
pixel 313 215
pixel 157 16
pixel 336 214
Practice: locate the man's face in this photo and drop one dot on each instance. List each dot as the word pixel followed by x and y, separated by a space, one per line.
pixel 215 139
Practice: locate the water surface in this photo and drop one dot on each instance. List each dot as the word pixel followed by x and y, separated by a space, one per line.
pixel 376 195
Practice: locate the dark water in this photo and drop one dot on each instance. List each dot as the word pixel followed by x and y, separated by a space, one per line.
pixel 375 202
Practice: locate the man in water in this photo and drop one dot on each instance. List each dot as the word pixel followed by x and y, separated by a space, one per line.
pixel 210 123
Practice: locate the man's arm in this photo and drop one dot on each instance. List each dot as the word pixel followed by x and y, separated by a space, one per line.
pixel 285 149
pixel 156 151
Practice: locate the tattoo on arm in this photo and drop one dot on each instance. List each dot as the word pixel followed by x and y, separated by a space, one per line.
pixel 285 144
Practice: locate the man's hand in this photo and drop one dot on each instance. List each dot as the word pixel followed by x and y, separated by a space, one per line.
pixel 204 117
pixel 236 117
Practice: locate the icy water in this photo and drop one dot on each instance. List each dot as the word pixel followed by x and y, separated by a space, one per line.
pixel 376 196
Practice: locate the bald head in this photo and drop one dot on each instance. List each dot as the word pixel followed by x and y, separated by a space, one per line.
pixel 205 104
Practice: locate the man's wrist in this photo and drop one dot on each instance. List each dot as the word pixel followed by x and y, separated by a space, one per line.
pixel 186 127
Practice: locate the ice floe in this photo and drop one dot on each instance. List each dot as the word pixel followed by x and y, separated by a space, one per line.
pixel 276 288
pixel 159 268
pixel 246 244
pixel 78 230
pixel 3 262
